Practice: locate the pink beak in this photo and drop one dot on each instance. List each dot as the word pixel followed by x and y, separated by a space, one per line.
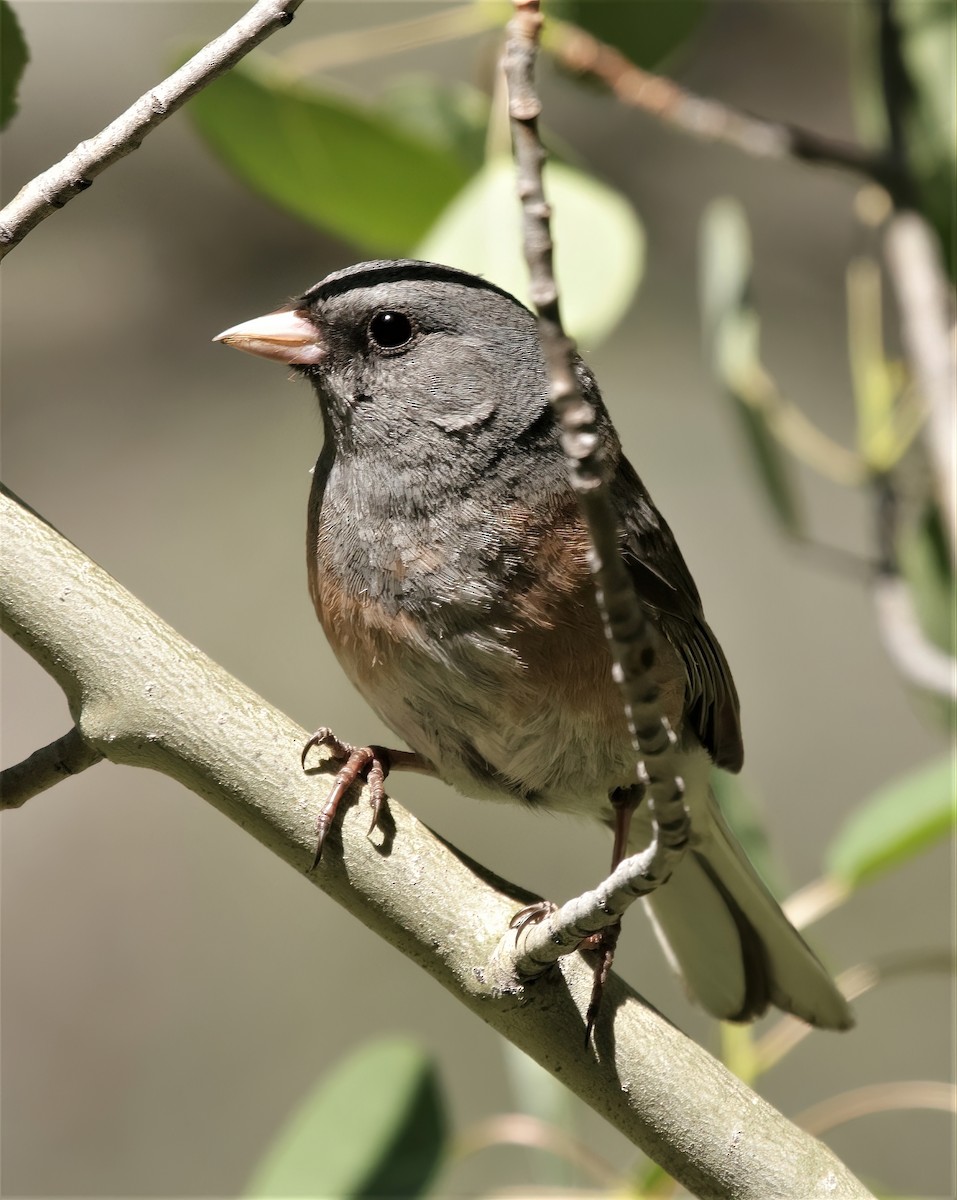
pixel 287 336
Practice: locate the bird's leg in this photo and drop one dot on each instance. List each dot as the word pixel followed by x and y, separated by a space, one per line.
pixel 607 941
pixel 624 801
pixel 372 763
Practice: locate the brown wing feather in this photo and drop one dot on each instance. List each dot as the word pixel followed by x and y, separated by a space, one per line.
pixel 666 588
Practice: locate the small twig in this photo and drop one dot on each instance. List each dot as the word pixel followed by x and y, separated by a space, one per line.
pixel 68 755
pixel 362 45
pixel 815 900
pixel 632 638
pixel 855 982
pixel 60 183
pixel 917 659
pixel 878 1098
pixel 537 945
pixel 839 559
pixel 796 431
pixel 704 117
pixel 523 1129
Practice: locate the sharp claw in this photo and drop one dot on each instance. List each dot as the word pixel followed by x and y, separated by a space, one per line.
pixel 370 762
pixel 532 914
pixel 323 737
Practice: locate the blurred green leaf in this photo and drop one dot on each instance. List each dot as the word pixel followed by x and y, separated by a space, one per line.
pixel 928 29
pixel 649 1181
pixel 539 1094
pixel 343 167
pixel 599 242
pixel 725 279
pixel 772 467
pixel 732 331
pixel 897 822
pixel 928 36
pixel 743 813
pixel 536 1091
pixel 925 564
pixel 645 33
pixel 14 56
pixel 449 116
pixel 374 1127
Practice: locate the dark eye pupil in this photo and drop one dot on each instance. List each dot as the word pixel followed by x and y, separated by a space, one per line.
pixel 390 329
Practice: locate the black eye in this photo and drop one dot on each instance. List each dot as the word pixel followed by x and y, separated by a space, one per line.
pixel 390 330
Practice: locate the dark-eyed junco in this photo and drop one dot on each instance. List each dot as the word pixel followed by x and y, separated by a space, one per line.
pixel 448 565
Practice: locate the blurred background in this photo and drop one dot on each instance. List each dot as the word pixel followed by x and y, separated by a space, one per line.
pixel 170 990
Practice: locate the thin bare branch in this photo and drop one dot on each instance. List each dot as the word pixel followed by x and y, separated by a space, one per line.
pixel 68 755
pixel 537 945
pixel 363 45
pixel 58 185
pixel 856 981
pixel 918 660
pixel 877 1098
pixel 815 900
pixel 632 638
pixel 706 118
pixel 523 1129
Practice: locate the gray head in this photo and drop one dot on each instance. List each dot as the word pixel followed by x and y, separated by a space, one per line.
pixel 411 357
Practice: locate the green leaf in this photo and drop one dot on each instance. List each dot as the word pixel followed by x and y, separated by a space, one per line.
pixel 599 242
pixel 538 1093
pixel 342 167
pixel 645 33
pixel 374 1127
pixel 928 35
pixel 732 330
pixel 925 564
pixel 725 279
pixel 897 822
pixel 924 561
pixel 450 116
pixel 743 813
pixel 14 56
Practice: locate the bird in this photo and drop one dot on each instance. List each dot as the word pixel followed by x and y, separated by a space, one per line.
pixel 448 564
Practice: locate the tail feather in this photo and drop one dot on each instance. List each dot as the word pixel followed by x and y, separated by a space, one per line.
pixel 726 935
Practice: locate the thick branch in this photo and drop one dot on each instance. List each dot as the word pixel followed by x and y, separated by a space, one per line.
pixel 73 174
pixel 68 755
pixel 143 696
